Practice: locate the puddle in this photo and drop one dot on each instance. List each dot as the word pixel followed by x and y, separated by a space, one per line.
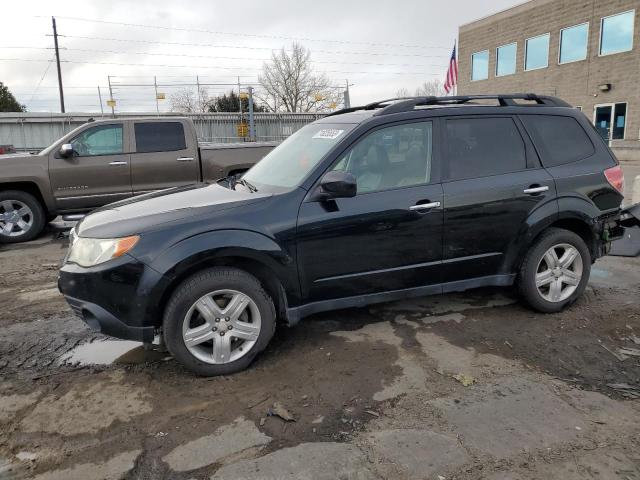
pixel 108 352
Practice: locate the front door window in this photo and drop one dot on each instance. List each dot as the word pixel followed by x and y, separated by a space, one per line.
pixel 611 120
pixel 99 140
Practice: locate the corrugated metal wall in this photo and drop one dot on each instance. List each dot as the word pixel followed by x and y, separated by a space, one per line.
pixel 35 131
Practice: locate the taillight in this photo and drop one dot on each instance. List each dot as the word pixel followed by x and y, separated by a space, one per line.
pixel 615 177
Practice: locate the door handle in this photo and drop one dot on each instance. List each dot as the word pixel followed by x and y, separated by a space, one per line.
pixel 185 159
pixel 533 190
pixel 424 206
pixel 118 163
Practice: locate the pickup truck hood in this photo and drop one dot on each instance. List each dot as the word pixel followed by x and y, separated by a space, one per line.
pixel 145 212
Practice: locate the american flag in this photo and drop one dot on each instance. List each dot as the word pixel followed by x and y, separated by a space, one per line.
pixel 452 72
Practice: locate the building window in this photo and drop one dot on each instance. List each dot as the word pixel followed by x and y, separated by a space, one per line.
pixel 506 59
pixel 480 65
pixel 536 52
pixel 616 33
pixel 573 43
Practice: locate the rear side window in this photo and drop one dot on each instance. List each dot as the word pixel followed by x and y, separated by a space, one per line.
pixel 159 137
pixel 480 147
pixel 560 140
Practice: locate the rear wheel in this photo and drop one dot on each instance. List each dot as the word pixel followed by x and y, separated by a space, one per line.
pixel 555 271
pixel 218 320
pixel 22 218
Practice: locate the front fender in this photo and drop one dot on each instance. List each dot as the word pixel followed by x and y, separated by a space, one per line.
pixel 198 251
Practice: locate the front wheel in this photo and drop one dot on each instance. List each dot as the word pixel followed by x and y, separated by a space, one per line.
pixel 218 320
pixel 555 271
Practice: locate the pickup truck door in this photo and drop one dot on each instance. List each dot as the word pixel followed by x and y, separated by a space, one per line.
pixel 98 173
pixel 165 155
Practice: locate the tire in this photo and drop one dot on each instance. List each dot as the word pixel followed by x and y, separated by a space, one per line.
pixel 26 220
pixel 191 314
pixel 537 282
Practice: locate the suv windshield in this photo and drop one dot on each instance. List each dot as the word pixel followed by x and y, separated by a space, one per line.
pixel 289 163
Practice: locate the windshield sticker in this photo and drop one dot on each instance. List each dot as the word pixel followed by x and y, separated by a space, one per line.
pixel 328 134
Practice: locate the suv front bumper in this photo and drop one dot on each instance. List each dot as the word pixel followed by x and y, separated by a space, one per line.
pixel 112 298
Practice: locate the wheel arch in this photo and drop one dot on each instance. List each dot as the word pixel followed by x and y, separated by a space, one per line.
pixel 27 187
pixel 574 214
pixel 249 251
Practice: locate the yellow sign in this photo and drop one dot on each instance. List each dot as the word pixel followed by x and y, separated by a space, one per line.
pixel 160 96
pixel 244 95
pixel 243 129
pixel 318 97
pixel 333 105
pixel 111 103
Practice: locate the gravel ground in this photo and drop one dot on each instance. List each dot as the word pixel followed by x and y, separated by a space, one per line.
pixel 373 391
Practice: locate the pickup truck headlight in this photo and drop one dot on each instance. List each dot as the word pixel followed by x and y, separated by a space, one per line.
pixel 88 252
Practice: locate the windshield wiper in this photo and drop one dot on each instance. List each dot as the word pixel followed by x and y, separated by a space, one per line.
pixel 251 188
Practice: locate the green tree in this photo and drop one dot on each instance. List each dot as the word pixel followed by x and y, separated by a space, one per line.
pixel 230 103
pixel 8 102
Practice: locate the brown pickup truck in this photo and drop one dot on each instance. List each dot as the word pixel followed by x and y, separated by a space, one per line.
pixel 105 161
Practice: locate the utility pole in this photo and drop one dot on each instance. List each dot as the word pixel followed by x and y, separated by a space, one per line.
pixel 347 99
pixel 252 122
pixel 240 99
pixel 155 86
pixel 100 98
pixel 113 111
pixel 55 43
pixel 200 106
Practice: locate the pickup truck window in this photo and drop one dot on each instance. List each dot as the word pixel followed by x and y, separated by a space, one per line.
pixel 159 137
pixel 291 161
pixel 99 140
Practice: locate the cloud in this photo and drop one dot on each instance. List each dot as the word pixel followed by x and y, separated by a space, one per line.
pixel 378 46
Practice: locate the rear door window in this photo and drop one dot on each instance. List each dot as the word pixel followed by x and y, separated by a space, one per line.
pixel 159 137
pixel 559 140
pixel 483 146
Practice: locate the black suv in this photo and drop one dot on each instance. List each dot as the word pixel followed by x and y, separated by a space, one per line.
pixel 399 198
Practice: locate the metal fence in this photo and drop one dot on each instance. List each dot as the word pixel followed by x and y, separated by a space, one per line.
pixel 35 131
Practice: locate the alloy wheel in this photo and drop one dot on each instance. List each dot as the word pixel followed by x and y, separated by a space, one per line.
pixel 16 218
pixel 221 326
pixel 559 272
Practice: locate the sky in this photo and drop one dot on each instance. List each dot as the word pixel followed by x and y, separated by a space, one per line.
pixel 378 46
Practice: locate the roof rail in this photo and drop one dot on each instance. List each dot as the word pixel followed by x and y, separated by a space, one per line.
pixel 405 104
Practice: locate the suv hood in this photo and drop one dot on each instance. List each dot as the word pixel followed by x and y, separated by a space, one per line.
pixel 144 212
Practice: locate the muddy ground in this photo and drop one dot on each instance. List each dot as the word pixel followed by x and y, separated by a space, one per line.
pixel 372 390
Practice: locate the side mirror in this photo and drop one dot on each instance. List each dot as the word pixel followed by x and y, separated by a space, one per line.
pixel 66 150
pixel 337 184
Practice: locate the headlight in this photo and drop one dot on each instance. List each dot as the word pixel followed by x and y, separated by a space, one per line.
pixel 88 252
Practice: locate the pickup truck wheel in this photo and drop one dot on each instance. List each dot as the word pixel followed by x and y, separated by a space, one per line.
pixel 218 320
pixel 555 271
pixel 22 218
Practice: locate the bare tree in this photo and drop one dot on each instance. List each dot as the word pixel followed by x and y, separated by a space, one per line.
pixel 431 88
pixel 186 100
pixel 402 92
pixel 289 83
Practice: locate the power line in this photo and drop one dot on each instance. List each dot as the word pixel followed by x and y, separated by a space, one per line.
pixel 201 66
pixel 250 35
pixel 211 45
pixel 40 82
pixel 87 50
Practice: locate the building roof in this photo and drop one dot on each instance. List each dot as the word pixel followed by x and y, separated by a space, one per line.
pixel 501 14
